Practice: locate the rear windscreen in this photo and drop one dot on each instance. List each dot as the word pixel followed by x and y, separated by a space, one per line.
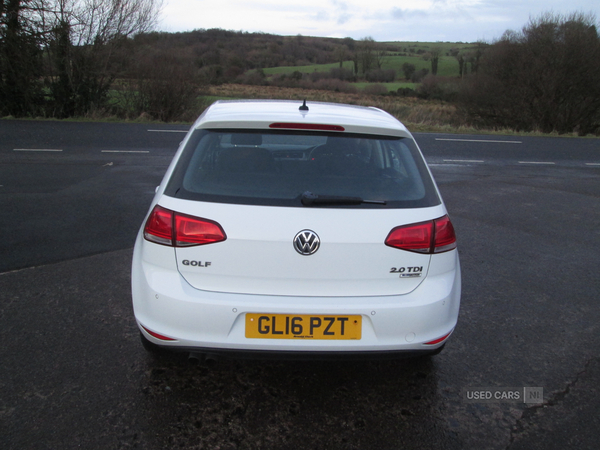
pixel 280 168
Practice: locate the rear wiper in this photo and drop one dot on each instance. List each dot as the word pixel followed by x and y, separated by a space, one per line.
pixel 310 199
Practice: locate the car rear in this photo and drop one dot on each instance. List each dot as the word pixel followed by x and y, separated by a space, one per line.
pixel 284 231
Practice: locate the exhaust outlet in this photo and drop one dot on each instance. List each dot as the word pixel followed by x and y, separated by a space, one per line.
pixel 195 358
pixel 210 359
pixel 207 359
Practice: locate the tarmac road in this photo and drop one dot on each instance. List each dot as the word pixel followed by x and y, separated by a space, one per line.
pixel 74 375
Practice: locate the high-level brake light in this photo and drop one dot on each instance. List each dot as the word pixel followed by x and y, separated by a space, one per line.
pixel 433 236
pixel 174 229
pixel 306 126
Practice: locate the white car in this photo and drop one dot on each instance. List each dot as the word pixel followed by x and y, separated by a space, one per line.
pixel 287 229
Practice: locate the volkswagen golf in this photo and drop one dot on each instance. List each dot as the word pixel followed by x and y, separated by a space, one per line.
pixel 294 229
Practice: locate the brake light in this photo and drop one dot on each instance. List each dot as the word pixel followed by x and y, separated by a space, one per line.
pixel 174 229
pixel 445 239
pixel 159 226
pixel 415 238
pixel 195 231
pixel 307 126
pixel 434 236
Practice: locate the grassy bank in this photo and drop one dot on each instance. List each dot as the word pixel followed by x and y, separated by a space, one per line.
pixel 416 114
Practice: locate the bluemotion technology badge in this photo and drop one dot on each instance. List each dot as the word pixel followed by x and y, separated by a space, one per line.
pixel 306 242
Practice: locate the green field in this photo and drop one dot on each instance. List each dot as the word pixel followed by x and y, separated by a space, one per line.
pixel 306 69
pixel 398 53
pixel 390 86
pixel 447 66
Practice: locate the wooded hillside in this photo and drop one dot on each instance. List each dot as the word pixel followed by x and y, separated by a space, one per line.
pixel 59 62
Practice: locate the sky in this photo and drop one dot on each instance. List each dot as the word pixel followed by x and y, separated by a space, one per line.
pixel 382 20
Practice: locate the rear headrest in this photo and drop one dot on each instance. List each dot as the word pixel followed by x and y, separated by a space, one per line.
pixel 248 139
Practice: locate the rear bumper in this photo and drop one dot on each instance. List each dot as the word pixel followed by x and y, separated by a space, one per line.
pixel 214 322
pixel 200 354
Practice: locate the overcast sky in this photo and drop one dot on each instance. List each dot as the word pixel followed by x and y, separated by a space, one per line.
pixel 383 20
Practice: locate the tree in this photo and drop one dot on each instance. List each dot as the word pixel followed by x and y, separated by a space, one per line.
pixel 84 35
pixel 544 77
pixel 71 44
pixel 162 86
pixel 366 54
pixel 408 69
pixel 434 55
pixel 341 54
pixel 20 59
pixel 461 65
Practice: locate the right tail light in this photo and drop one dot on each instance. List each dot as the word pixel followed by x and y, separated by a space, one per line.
pixel 433 236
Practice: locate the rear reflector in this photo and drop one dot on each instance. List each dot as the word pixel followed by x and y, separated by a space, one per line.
pixel 174 229
pixel 307 126
pixel 434 236
pixel 437 341
pixel 157 336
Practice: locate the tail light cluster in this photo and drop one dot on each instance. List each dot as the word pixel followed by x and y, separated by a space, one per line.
pixel 434 236
pixel 174 229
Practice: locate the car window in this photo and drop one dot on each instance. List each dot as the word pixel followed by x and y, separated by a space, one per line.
pixel 279 167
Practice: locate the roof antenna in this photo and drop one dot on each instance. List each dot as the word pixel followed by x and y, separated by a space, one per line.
pixel 303 107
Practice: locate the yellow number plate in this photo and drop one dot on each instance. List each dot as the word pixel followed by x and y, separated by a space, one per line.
pixel 287 326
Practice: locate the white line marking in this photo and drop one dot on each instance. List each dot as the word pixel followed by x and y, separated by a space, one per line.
pixel 592 164
pixel 537 162
pixel 479 140
pixel 464 160
pixel 36 150
pixel 125 151
pixel 168 131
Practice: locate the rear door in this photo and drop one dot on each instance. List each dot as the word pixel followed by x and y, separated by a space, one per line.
pixel 302 252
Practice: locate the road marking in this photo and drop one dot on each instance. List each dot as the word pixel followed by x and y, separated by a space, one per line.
pixel 537 162
pixel 464 160
pixel 592 164
pixel 478 140
pixel 125 151
pixel 36 150
pixel 168 131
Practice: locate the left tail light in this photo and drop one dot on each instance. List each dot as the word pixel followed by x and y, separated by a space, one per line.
pixel 174 229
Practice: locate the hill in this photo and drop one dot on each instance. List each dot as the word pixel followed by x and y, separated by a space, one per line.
pixel 220 56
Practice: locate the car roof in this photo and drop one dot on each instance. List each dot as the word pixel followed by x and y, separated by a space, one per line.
pixel 260 114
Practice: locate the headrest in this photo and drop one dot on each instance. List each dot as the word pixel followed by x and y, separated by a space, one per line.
pixel 247 139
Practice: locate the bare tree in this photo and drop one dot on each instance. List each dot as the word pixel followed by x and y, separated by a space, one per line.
pixel 20 57
pixel 366 54
pixel 434 56
pixel 82 36
pixel 341 54
pixel 78 39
